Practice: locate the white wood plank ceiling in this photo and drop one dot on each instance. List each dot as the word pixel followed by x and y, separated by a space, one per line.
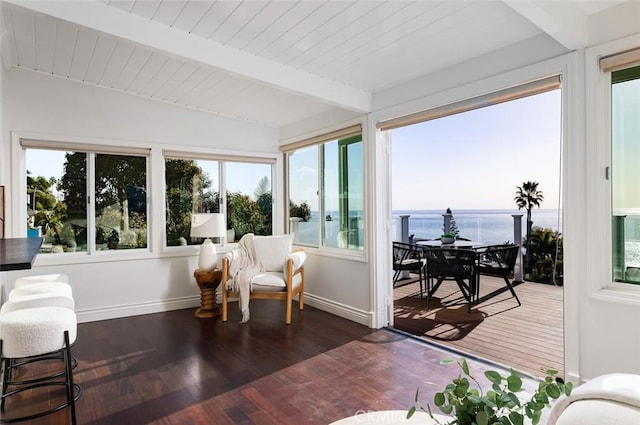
pixel 269 62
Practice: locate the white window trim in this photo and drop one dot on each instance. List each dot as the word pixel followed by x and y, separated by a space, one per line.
pixel 213 155
pixel 598 137
pixel 19 188
pixel 156 244
pixel 317 139
pixel 573 192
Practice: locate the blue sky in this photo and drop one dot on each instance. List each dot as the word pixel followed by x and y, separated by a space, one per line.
pixel 475 160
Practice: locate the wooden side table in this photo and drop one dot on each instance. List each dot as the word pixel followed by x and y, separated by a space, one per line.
pixel 208 282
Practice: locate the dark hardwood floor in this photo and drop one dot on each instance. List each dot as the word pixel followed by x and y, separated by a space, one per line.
pixel 171 368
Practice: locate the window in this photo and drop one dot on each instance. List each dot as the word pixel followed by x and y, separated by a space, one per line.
pixel 200 183
pixel 625 174
pixel 191 186
pixel 113 217
pixel 326 191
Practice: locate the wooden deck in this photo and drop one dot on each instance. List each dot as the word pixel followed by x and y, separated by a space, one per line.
pixel 528 338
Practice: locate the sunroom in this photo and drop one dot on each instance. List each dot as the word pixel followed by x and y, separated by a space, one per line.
pixel 279 97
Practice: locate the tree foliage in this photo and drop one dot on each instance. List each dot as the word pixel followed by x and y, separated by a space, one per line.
pixel 186 185
pixel 302 211
pixel 263 188
pixel 527 197
pixel 545 247
pixel 244 215
pixel 265 204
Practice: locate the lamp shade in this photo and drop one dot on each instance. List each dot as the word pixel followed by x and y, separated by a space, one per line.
pixel 208 225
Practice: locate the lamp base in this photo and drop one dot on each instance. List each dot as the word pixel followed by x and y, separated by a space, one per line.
pixel 208 258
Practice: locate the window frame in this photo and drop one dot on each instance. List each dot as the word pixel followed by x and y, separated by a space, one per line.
pixel 599 155
pixel 20 144
pixel 222 160
pixel 320 141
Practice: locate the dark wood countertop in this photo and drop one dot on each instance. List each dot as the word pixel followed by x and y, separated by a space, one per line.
pixel 18 253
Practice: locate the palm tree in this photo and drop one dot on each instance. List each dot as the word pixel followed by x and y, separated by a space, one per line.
pixel 528 196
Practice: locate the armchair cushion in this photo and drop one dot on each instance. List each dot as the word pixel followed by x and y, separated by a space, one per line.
pixel 273 281
pixel 272 251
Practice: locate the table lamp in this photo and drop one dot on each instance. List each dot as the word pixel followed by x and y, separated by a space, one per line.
pixel 208 225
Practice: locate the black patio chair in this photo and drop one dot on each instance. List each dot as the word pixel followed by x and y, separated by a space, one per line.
pixel 457 264
pixel 500 261
pixel 407 257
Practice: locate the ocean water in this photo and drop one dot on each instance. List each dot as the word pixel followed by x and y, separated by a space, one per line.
pixel 487 226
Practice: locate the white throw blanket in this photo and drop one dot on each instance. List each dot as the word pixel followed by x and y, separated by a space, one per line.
pixel 243 266
pixel 619 387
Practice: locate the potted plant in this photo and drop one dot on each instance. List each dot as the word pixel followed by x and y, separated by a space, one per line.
pixel 447 238
pixel 498 406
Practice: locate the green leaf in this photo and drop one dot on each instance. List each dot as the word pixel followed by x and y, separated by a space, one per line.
pixel 553 391
pixel 493 376
pixel 438 399
pixel 411 412
pixel 446 361
pixel 482 418
pixel 504 420
pixel 447 409
pixel 535 418
pixel 541 398
pixel 465 366
pixel 536 406
pixel 516 418
pixel 567 388
pixel 513 398
pixel 416 398
pixel 489 402
pixel 474 399
pixel 514 383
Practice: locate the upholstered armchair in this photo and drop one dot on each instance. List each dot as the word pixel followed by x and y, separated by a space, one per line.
pixel 263 267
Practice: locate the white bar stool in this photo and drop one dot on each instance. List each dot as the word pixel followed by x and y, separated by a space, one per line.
pixel 31 333
pixel 54 277
pixel 36 301
pixel 56 288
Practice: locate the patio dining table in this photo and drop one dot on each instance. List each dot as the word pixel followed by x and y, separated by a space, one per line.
pixel 458 243
pixel 450 267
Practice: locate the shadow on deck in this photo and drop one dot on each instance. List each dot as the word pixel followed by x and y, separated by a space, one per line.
pixel 528 338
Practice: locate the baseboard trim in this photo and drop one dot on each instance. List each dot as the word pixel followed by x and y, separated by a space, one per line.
pixel 116 312
pixel 342 310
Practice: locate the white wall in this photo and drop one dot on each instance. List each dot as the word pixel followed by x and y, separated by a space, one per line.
pixel 122 284
pixel 4 173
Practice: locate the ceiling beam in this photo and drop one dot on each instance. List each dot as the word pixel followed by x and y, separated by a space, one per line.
pixel 565 21
pixel 118 23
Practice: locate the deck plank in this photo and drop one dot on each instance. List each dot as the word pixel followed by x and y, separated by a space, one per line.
pixel 528 338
